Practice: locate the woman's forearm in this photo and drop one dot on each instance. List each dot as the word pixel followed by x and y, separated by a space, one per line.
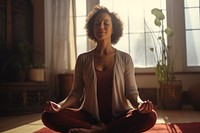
pixel 135 100
pixel 69 101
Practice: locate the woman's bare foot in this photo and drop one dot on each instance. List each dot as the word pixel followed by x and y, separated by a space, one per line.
pixel 79 130
pixel 100 128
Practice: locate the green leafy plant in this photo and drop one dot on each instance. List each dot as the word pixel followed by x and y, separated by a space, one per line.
pixel 15 61
pixel 23 51
pixel 164 59
pixel 37 65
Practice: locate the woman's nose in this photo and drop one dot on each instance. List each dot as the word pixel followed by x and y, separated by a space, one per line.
pixel 101 26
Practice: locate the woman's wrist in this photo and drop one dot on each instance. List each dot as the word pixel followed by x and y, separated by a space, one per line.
pixel 139 104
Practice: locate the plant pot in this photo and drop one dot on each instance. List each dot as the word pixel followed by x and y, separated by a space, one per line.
pixel 171 94
pixel 36 74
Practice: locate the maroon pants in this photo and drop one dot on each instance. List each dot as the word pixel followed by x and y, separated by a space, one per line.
pixel 130 122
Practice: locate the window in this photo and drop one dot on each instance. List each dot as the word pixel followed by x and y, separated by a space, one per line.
pixel 136 15
pixel 81 39
pixel 136 40
pixel 192 29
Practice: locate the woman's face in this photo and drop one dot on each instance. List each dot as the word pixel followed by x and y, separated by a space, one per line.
pixel 102 27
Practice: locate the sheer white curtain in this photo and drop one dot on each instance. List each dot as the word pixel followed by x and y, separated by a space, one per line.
pixel 59 40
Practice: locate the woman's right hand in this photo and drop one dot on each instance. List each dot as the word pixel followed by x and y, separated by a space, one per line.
pixel 52 107
pixel 145 107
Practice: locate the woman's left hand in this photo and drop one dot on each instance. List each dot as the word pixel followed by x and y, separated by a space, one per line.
pixel 145 107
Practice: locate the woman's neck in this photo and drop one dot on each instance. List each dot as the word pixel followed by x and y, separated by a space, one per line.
pixel 104 48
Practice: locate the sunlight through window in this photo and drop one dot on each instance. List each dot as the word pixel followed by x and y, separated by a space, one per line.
pixel 135 14
pixel 192 25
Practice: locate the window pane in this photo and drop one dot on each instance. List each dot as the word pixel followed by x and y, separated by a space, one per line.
pixel 191 3
pixel 123 44
pixel 81 39
pixel 81 7
pixel 150 4
pixel 107 3
pixel 81 44
pixel 192 20
pixel 192 25
pixel 152 56
pixel 193 47
pixel 80 26
pixel 137 49
pixel 124 19
pixel 136 22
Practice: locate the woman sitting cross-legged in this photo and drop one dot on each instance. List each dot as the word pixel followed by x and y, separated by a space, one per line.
pixel 104 77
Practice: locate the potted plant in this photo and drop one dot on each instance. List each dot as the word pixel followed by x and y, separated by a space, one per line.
pixel 36 72
pixel 170 89
pixel 14 61
pixel 23 58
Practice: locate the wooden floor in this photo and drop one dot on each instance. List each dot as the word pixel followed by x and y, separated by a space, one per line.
pixel 32 122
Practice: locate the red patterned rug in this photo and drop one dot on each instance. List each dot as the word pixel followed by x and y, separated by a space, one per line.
pixel 193 127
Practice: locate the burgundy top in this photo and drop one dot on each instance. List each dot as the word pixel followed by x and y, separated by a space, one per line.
pixel 104 94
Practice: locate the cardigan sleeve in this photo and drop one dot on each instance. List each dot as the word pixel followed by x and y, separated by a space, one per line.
pixel 78 82
pixel 130 81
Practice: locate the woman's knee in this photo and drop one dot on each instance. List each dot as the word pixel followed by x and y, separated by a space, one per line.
pixel 153 116
pixel 150 120
pixel 50 121
pixel 49 118
pixel 45 118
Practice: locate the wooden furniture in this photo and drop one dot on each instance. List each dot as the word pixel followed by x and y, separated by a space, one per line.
pixel 16 22
pixel 65 82
pixel 194 96
pixel 22 97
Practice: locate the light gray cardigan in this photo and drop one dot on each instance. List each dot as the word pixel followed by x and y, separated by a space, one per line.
pixel 85 83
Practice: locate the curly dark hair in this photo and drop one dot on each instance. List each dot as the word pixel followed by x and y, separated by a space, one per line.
pixel 116 23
